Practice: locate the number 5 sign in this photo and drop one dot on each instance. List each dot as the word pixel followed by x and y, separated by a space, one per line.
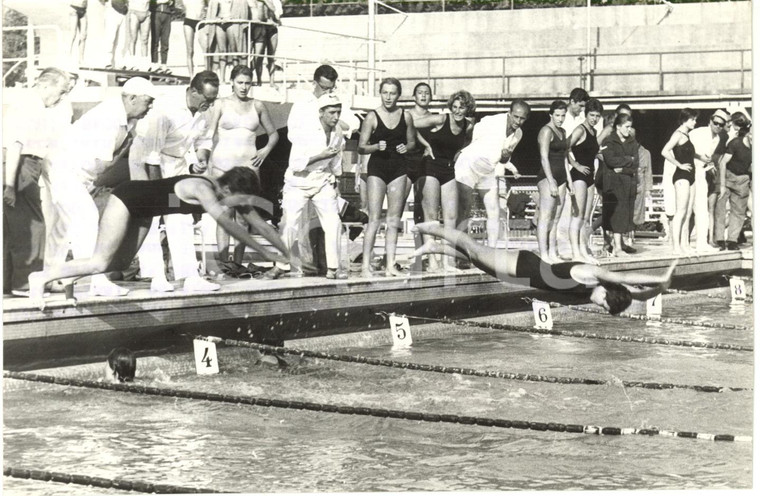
pixel 401 331
pixel 205 357
pixel 543 315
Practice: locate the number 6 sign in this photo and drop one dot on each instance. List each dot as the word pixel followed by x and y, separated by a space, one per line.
pixel 401 331
pixel 543 315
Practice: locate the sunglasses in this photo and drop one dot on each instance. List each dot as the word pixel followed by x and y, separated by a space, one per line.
pixel 718 123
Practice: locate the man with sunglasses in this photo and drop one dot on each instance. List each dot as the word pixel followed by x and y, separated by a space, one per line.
pixel 705 140
pixel 175 139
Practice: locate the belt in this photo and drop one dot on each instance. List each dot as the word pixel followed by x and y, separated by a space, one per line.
pixel 163 7
pixel 33 157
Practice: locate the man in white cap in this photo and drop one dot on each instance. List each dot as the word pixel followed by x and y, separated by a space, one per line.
pixel 28 133
pixel 175 140
pixel 94 144
pixel 705 140
pixel 313 165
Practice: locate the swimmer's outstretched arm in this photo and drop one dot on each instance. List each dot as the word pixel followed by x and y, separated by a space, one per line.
pixel 657 283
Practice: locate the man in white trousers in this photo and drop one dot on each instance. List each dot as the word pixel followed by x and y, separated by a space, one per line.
pixel 92 145
pixel 175 140
pixel 311 178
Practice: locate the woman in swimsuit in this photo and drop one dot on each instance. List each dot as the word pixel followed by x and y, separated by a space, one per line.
pixel 138 24
pixel 582 152
pixel 234 122
pixel 387 133
pixel 613 291
pixel 679 151
pixel 446 135
pixel 133 204
pixel 553 178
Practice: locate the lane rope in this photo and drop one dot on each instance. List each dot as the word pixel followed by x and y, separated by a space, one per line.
pixel 86 480
pixel 579 334
pixel 460 370
pixel 650 318
pixel 748 299
pixel 373 412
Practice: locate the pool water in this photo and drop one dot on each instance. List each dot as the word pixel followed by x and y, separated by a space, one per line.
pixel 237 448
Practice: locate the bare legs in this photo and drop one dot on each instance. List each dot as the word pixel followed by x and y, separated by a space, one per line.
pixel 190 46
pixel 78 27
pixel 548 212
pixel 578 214
pixel 377 190
pixel 115 248
pixel 258 61
pixel 272 67
pixel 680 225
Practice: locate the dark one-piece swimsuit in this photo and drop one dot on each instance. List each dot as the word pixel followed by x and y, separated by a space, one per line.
pixel 684 154
pixel 557 151
pixel 445 145
pixel 388 164
pixel 147 199
pixel 585 153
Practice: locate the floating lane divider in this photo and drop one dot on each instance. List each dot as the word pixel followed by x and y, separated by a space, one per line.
pixel 653 318
pixel 580 334
pixel 86 480
pixel 706 295
pixel 459 370
pixel 370 411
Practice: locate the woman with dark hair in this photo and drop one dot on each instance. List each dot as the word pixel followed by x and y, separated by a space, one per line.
pixel 387 134
pixel 613 291
pixel 448 134
pixel 133 204
pixel 553 178
pixel 121 365
pixel 582 151
pixel 621 157
pixel 235 121
pixel 679 151
pixel 736 178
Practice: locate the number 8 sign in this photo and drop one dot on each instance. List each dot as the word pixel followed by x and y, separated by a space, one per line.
pixel 738 290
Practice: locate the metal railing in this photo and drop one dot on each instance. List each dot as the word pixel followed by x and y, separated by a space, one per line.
pixel 250 56
pixel 31 58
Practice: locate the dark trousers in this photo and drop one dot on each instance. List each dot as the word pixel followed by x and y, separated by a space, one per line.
pixel 160 29
pixel 24 228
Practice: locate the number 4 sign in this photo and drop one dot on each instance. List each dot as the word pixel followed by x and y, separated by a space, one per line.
pixel 543 315
pixel 401 331
pixel 205 357
pixel 738 290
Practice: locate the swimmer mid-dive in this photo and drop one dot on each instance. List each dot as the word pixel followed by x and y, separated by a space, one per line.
pixel 613 291
pixel 133 204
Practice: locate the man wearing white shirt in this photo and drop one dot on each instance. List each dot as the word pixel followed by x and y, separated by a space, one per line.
pixel 705 140
pixel 314 163
pixel 93 144
pixel 174 140
pixel 29 131
pixel 303 120
pixel 493 142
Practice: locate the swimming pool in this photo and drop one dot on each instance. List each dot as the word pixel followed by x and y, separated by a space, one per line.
pixel 238 448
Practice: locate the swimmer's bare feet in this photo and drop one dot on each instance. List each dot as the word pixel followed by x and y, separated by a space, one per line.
pixel 37 289
pixel 392 271
pixel 367 273
pixel 426 227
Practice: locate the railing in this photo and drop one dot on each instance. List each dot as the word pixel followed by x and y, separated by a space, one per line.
pixel 587 69
pixel 31 57
pixel 354 79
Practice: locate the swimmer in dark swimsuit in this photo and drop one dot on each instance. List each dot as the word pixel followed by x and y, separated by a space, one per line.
pixel 133 204
pixel 611 290
pixel 680 152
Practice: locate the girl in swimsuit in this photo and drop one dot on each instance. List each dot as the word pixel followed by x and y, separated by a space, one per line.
pixel 582 151
pixel 613 291
pixel 446 134
pixel 133 204
pixel 553 177
pixel 680 152
pixel 234 122
pixel 387 133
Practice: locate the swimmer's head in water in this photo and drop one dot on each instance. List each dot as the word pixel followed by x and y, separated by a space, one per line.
pixel 122 365
pixel 241 180
pixel 613 297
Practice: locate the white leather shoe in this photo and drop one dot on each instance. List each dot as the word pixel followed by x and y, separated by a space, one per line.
pixel 161 285
pixel 197 283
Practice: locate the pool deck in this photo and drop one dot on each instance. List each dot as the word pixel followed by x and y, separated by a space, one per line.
pixel 293 308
